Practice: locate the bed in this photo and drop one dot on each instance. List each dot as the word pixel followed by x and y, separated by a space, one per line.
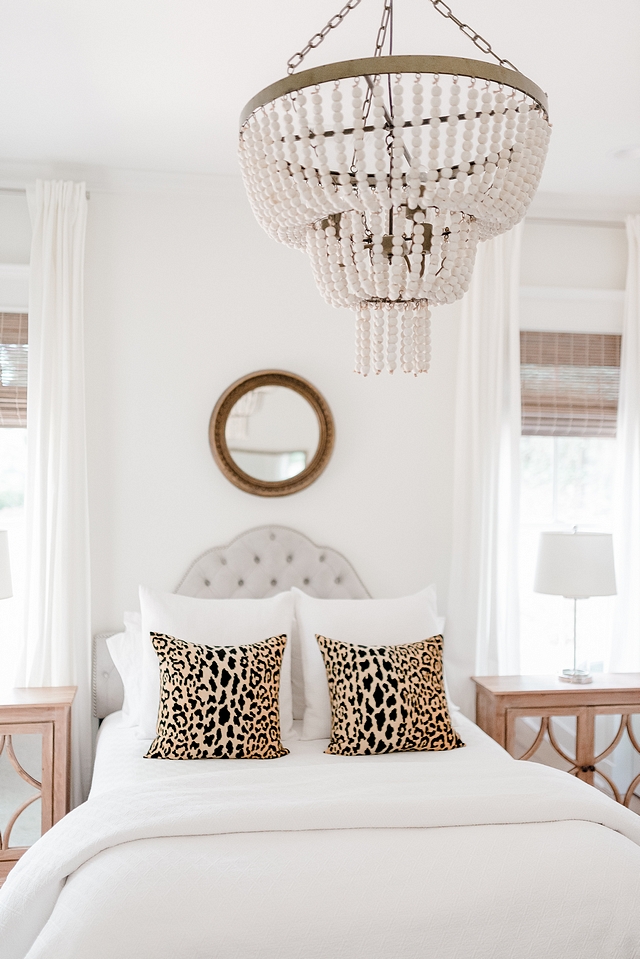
pixel 462 853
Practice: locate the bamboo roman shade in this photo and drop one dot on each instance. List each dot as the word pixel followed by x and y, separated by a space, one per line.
pixel 569 383
pixel 14 338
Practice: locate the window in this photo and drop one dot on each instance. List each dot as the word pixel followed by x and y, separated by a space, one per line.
pixel 13 465
pixel 569 384
pixel 14 337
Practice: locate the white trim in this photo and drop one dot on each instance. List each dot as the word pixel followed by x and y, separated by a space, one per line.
pixel 568 309
pixel 102 179
pixel 576 206
pixel 14 271
pixel 14 287
pixel 571 293
pixel 99 180
pixel 578 221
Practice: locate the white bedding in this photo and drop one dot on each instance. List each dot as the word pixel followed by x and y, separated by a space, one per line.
pixel 119 764
pixel 459 855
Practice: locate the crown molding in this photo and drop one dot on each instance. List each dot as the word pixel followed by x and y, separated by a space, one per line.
pixel 572 293
pixel 577 206
pixel 19 175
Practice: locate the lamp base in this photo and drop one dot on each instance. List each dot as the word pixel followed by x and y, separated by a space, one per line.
pixel 575 676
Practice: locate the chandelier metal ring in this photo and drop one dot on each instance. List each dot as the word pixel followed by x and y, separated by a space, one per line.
pixel 372 66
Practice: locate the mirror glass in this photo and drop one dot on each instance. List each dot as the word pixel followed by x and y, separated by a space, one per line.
pixel 272 433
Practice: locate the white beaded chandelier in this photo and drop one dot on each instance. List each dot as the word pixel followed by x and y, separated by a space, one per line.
pixel 388 171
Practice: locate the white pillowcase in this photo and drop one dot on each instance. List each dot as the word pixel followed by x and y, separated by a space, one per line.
pixel 126 652
pixel 369 622
pixel 211 622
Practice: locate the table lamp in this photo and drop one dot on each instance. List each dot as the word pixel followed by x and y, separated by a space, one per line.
pixel 577 566
pixel 5 566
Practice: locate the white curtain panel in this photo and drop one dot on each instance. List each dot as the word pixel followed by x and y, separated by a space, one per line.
pixel 482 632
pixel 57 640
pixel 625 647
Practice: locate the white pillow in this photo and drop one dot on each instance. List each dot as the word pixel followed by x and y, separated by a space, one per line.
pixel 126 651
pixel 370 622
pixel 211 622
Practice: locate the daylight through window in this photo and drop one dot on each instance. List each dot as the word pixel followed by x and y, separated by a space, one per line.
pixel 569 384
pixel 13 466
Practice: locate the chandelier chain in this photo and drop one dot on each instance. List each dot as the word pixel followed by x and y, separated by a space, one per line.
pixel 386 27
pixel 317 38
pixel 383 29
pixel 445 11
pixel 439 6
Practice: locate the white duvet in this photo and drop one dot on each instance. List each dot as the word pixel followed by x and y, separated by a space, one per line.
pixel 460 855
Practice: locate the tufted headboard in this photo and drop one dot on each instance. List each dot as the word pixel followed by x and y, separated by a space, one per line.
pixel 259 563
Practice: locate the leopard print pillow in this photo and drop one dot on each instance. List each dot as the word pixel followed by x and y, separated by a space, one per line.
pixel 218 702
pixel 387 699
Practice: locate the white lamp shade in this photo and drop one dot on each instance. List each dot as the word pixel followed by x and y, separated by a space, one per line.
pixel 5 566
pixel 575 565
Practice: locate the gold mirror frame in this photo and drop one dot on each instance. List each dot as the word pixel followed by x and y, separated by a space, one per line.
pixel 218 440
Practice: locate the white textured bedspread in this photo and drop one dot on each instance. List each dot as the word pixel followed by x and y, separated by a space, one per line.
pixel 473 858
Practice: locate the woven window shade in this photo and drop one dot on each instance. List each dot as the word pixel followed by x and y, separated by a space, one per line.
pixel 569 383
pixel 14 338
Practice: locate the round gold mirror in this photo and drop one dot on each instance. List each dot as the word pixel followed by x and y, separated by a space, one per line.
pixel 271 433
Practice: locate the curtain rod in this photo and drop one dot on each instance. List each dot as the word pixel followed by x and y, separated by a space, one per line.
pixel 21 191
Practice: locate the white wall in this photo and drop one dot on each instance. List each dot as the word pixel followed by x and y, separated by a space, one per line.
pixel 15 229
pixel 184 294
pixel 573 277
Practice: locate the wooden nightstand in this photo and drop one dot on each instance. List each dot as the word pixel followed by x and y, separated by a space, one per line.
pixel 44 712
pixel 500 700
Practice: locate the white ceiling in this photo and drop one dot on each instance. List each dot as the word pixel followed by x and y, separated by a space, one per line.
pixel 157 85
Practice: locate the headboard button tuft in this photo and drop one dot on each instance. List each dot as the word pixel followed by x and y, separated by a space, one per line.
pixel 306 582
pixel 274 582
pixel 321 558
pixel 207 582
pixel 240 582
pixel 223 561
pixel 338 580
pixel 289 558
pixel 256 559
pixel 272 535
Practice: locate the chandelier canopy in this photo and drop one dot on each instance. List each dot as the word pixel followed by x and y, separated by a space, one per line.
pixel 388 171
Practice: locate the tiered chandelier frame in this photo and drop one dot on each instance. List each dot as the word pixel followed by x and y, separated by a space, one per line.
pixel 387 171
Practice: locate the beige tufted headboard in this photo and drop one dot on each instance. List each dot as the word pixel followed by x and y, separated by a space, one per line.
pixel 258 563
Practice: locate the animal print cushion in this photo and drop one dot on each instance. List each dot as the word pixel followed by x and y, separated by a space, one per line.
pixel 387 699
pixel 218 702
